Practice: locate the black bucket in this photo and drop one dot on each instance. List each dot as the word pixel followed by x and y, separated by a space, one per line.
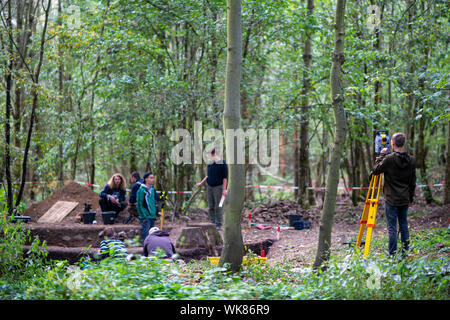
pixel 294 218
pixel 88 217
pixel 306 224
pixel 108 217
pixel 298 225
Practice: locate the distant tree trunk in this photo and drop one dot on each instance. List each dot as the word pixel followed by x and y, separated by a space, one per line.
pixel 326 220
pixel 91 155
pixel 422 149
pixel 35 95
pixel 411 98
pixel 61 100
pixel 378 42
pixel 304 113
pixel 8 80
pixel 282 155
pixel 92 125
pixel 447 169
pixel 296 164
pixel 233 247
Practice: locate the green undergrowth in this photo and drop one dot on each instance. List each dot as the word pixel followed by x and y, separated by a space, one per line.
pixel 424 274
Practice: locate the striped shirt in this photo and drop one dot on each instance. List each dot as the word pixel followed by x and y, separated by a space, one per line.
pixel 113 247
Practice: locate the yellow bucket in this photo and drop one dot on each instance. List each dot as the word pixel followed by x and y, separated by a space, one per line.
pixel 215 260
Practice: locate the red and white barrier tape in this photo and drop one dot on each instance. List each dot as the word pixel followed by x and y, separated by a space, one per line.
pixel 249 186
pixel 341 188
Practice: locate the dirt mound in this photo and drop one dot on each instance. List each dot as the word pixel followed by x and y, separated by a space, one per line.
pixel 278 212
pixel 71 191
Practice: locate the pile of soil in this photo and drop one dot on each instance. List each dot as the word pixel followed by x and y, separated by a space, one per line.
pixel 71 191
pixel 278 212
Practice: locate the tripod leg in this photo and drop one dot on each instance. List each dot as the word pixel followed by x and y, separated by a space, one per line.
pixel 372 214
pixel 365 214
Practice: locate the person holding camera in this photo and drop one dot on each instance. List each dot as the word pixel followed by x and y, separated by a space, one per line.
pixel 399 171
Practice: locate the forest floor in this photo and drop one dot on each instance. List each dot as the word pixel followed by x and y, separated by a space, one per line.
pixel 299 246
pixel 294 246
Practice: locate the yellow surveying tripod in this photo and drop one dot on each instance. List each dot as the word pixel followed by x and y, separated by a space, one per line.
pixel 370 212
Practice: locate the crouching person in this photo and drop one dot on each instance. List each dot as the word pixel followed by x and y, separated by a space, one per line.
pixel 158 239
pixel 111 246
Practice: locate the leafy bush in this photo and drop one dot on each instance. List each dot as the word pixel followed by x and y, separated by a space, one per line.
pixel 17 266
pixel 423 275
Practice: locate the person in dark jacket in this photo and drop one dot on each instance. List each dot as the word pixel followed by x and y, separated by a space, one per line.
pixel 132 210
pixel 216 181
pixel 399 171
pixel 113 195
pixel 158 239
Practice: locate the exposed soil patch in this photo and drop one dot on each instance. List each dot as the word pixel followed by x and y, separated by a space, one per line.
pixel 71 191
pixel 277 213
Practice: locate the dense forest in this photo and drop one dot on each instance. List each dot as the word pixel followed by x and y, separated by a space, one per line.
pixel 90 88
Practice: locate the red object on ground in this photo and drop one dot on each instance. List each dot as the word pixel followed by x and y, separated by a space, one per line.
pixel 263 254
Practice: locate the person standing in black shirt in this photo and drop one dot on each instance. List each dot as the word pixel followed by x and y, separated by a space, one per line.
pixel 216 181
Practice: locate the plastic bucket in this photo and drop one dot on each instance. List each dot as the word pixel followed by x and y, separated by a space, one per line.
pixel 294 218
pixel 298 225
pixel 108 217
pixel 88 217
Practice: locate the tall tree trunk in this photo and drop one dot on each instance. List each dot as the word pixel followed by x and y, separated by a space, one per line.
pixel 8 80
pixel 326 220
pixel 379 37
pixel 61 100
pixel 35 95
pixel 233 246
pixel 296 164
pixel 92 125
pixel 304 112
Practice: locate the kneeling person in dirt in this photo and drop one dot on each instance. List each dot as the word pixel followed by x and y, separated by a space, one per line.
pixel 113 195
pixel 111 246
pixel 158 239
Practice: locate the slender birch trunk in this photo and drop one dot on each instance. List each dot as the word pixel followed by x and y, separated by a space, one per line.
pixel 326 220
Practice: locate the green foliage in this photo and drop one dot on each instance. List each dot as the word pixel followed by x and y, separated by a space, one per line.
pixel 16 265
pixel 424 274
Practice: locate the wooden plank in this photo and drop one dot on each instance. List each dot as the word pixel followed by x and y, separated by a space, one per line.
pixel 58 212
